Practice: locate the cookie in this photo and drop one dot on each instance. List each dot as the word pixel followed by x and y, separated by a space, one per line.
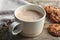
pixel 49 10
pixel 55 16
pixel 53 13
pixel 54 29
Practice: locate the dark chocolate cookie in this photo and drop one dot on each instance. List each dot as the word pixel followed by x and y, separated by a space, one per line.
pixel 54 29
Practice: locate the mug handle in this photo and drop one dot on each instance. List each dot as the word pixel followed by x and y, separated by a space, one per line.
pixel 15 28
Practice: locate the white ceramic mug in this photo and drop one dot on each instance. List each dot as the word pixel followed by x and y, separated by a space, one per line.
pixel 26 28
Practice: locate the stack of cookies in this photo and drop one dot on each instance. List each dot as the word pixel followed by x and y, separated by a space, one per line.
pixel 53 14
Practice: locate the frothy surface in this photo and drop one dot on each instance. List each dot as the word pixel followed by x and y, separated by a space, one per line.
pixel 28 15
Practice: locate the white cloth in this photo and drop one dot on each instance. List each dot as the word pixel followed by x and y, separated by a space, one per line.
pixel 10 4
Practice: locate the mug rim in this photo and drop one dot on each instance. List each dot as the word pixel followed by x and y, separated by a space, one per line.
pixel 32 5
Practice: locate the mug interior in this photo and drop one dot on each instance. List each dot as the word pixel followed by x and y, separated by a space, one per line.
pixel 31 7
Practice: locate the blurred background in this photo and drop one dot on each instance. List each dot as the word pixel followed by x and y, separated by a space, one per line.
pixel 13 4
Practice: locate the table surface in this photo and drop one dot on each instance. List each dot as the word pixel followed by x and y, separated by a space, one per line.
pixel 6 35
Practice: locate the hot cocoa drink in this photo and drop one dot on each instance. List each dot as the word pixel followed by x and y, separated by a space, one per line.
pixel 28 15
